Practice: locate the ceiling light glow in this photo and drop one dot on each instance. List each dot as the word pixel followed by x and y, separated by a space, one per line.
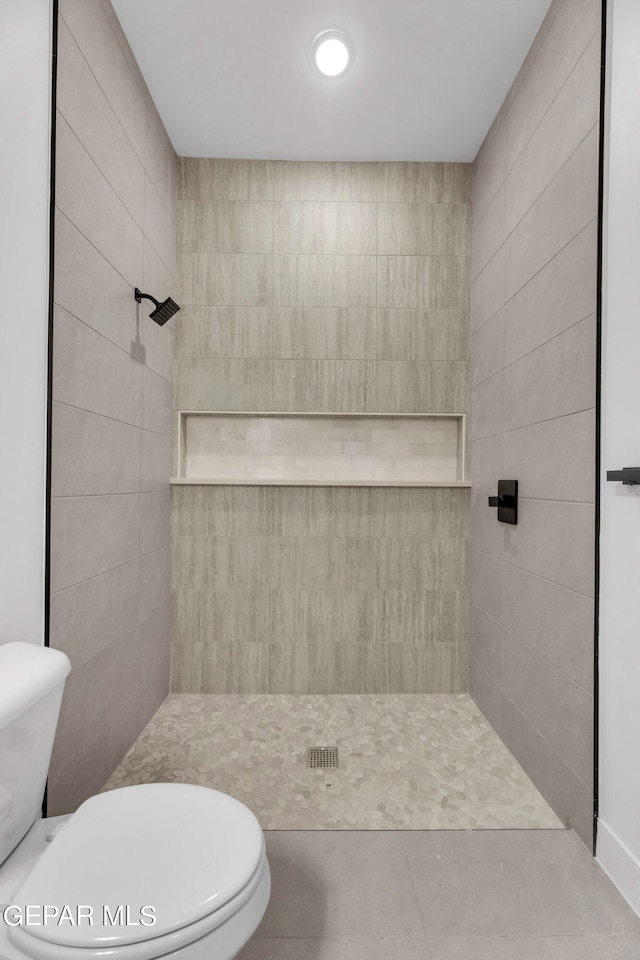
pixel 331 53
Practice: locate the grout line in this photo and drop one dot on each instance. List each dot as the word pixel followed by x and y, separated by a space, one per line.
pixel 530 573
pixel 102 90
pixel 501 626
pixel 105 416
pixel 533 350
pixel 143 366
pixel 555 97
pixel 538 125
pixel 524 426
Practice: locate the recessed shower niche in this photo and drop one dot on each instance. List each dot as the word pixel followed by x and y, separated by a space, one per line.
pixel 322 449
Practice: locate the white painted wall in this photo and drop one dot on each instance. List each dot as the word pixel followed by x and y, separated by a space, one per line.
pixel 618 847
pixel 25 98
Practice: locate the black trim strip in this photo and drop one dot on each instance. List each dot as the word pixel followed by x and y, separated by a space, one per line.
pixel 598 451
pixel 52 236
pixel 52 257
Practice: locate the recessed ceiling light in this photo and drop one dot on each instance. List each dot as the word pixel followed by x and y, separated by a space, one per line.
pixel 331 53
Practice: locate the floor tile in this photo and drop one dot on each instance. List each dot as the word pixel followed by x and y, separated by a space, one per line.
pixel 337 884
pixel 338 948
pixel 526 948
pixel 513 883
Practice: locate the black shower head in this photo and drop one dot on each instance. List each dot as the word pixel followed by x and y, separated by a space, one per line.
pixel 163 311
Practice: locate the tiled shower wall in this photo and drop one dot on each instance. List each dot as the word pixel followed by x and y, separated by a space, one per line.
pixel 110 538
pixel 321 287
pixel 533 375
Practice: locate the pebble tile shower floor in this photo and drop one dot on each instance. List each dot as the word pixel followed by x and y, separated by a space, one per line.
pixel 410 762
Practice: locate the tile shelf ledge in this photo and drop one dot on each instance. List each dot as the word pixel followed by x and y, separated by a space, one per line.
pixel 251 482
pixel 312 449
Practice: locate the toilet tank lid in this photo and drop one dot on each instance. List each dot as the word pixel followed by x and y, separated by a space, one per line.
pixel 28 672
pixel 182 849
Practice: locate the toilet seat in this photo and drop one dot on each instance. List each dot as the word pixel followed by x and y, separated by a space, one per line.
pixel 197 856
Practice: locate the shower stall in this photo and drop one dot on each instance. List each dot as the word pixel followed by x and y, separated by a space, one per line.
pixel 302 459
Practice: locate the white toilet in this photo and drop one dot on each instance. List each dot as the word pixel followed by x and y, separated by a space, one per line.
pixel 159 870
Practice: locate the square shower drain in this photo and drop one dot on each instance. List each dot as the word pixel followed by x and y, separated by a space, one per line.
pixel 322 757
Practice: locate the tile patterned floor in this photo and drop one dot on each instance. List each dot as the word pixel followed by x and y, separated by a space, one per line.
pixel 474 895
pixel 411 762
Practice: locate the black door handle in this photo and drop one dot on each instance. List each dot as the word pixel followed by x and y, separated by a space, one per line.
pixel 630 476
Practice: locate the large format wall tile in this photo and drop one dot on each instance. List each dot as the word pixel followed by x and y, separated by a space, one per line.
pixel 324 333
pixel 533 360
pixel 560 295
pixel 416 564
pixel 295 589
pixel 203 384
pixel 487 291
pixel 489 232
pixel 424 229
pixel 105 683
pixel 432 282
pixel 424 182
pixel 554 458
pixel 353 182
pixel 343 386
pixel 545 529
pixel 112 392
pixel 213 179
pixel 487 349
pixel 322 667
pixel 90 535
pixel 244 279
pixel 324 281
pixel 556 706
pixel 565 207
pixel 85 775
pixel 92 455
pixel 419 334
pixel 420 386
pixel 85 196
pixel 155 580
pixel 225 226
pixel 487 404
pixel 430 616
pixel 569 119
pixel 569 796
pixel 571 32
pixel 556 622
pixel 216 332
pixel 90 115
pixel 93 374
pixel 89 616
pixel 325 228
pixel 490 166
pixel 106 303
pixel 321 615
pixel 94 35
pixel 159 226
pixel 555 380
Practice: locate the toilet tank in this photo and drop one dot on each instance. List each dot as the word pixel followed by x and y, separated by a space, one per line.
pixel 31 684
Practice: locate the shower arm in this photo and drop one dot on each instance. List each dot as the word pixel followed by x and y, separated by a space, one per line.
pixel 145 296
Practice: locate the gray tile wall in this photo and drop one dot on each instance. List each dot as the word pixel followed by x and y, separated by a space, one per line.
pixel 112 410
pixel 321 287
pixel 533 376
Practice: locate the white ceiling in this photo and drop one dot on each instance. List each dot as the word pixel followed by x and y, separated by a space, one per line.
pixel 233 78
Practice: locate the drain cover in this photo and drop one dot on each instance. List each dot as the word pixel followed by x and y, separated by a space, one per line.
pixel 322 757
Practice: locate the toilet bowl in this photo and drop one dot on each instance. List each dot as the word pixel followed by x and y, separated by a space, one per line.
pixel 143 872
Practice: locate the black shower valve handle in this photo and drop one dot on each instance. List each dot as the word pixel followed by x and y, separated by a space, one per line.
pixel 506 501
pixel 502 501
